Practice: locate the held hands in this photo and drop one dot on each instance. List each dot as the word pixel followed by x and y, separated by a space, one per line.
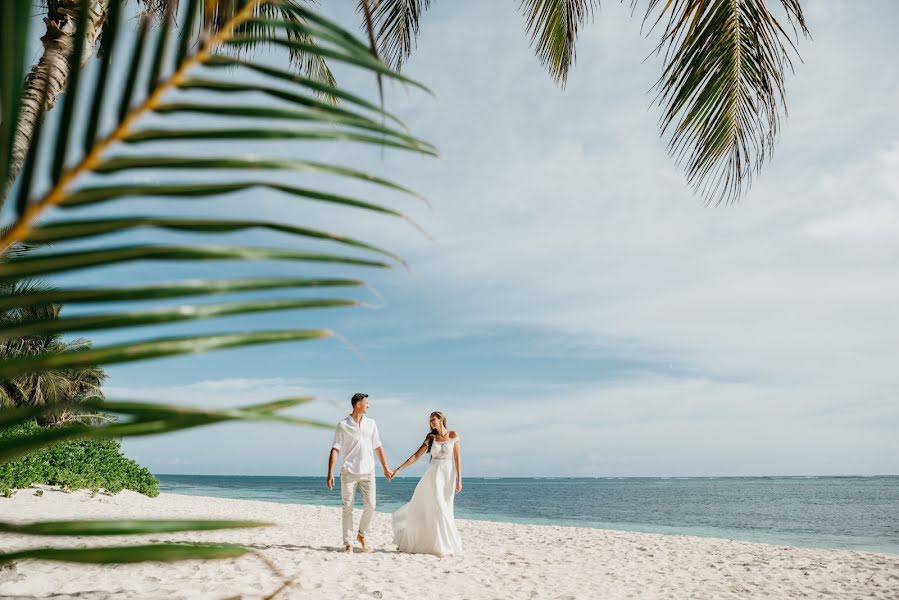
pixel 388 473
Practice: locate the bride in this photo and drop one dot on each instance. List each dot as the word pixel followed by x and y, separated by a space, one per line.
pixel 425 525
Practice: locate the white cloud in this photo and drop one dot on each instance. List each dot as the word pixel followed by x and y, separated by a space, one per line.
pixel 639 426
pixel 561 212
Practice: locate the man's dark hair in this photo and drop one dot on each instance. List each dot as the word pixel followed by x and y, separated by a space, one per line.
pixel 357 398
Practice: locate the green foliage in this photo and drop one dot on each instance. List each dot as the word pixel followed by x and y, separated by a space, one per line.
pixel 209 51
pixel 87 464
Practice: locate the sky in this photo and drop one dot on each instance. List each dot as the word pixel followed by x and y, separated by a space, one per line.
pixel 580 311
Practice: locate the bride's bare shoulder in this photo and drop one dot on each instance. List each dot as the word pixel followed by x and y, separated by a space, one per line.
pixel 453 435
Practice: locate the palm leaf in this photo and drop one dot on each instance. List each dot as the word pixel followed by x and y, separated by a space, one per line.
pixel 24 298
pixel 723 87
pixel 217 14
pixel 162 316
pixel 313 65
pixel 129 554
pixel 396 24
pixel 554 26
pixel 129 527
pixel 145 419
pixel 145 349
pixel 230 25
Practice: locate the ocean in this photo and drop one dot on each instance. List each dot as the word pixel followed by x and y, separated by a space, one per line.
pixel 852 513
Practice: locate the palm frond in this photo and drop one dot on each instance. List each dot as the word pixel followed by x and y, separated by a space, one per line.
pixel 216 14
pixel 312 65
pixel 722 89
pixel 143 418
pixel 130 527
pixel 167 552
pixel 282 23
pixel 554 26
pixel 396 24
pixel 25 298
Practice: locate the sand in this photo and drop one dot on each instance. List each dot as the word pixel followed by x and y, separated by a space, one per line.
pixel 501 560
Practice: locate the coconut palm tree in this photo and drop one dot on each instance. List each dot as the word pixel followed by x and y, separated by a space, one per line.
pixel 63 386
pixel 722 84
pixel 66 386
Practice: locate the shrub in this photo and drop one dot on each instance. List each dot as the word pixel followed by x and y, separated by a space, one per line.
pixel 86 464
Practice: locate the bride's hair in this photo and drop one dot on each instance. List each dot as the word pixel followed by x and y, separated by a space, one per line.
pixel 433 432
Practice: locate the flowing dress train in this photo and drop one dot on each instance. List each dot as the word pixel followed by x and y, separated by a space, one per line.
pixel 426 525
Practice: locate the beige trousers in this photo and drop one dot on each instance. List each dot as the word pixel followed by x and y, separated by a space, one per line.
pixel 348 484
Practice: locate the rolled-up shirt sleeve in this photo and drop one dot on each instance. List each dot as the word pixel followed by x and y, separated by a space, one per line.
pixel 375 438
pixel 338 438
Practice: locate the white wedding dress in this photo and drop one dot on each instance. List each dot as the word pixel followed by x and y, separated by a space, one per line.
pixel 425 525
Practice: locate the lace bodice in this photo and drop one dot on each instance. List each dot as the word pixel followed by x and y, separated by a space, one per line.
pixel 442 450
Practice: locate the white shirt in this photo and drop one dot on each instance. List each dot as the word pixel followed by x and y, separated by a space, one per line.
pixel 357 442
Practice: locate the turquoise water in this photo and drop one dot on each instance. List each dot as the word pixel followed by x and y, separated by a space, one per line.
pixel 855 513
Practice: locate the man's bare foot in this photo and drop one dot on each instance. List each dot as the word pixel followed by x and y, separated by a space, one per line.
pixel 361 539
pixel 348 549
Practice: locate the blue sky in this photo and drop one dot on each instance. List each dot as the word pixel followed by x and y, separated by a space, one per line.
pixel 582 313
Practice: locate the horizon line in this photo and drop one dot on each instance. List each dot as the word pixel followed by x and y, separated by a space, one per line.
pixel 795 476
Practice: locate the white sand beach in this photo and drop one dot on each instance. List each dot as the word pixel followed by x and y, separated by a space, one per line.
pixel 501 560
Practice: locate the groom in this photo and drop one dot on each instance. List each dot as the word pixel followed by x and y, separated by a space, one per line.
pixel 356 436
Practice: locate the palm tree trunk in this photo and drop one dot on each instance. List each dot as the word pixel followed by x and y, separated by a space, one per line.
pixel 52 70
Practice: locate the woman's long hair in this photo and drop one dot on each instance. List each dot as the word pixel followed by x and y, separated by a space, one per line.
pixel 433 432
